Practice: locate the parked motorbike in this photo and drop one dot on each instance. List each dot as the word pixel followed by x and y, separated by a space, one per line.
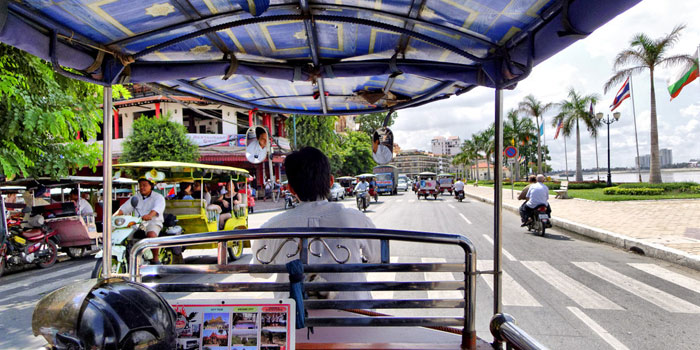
pixel 28 245
pixel 290 200
pixel 459 195
pixel 126 231
pixel 539 220
pixel 362 198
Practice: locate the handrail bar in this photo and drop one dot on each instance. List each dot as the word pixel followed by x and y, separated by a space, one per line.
pixel 503 328
pixel 305 234
pixel 314 268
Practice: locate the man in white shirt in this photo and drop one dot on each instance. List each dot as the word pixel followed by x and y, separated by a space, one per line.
pixel 380 153
pixel 537 194
pixel 151 207
pixel 308 172
pixel 256 150
pixel 84 207
pixel 458 186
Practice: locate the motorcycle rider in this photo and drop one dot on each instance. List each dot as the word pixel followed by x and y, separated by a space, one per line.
pixel 363 187
pixel 537 195
pixel 458 187
pixel 153 205
pixel 523 194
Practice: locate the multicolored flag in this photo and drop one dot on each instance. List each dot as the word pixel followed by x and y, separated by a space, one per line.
pixel 622 94
pixel 590 110
pixel 561 123
pixel 683 78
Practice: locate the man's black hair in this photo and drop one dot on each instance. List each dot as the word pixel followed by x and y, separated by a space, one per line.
pixel 309 174
pixel 259 131
pixel 375 136
pixel 74 191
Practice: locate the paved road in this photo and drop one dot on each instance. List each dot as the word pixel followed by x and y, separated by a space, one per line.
pixel 568 292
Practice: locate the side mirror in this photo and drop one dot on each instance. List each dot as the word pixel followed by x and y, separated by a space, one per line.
pixel 134 201
pixel 383 145
pixel 257 144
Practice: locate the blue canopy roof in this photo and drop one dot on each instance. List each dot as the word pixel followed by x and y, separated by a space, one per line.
pixel 313 57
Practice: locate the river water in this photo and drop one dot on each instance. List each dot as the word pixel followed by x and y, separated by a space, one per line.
pixel 667 175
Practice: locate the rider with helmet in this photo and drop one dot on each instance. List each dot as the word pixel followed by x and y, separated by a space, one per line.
pixel 537 194
pixel 151 206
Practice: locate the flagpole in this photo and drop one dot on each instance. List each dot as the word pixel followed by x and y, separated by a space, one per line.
pixel 597 167
pixel 636 140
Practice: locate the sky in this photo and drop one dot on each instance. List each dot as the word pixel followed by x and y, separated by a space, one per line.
pixel 586 66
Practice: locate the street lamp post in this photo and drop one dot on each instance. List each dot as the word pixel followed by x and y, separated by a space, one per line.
pixel 608 121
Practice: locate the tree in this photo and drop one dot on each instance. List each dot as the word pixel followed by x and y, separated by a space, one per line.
pixel 574 111
pixel 517 130
pixel 534 108
pixel 159 139
pixel 467 155
pixel 373 121
pixel 44 117
pixel 644 54
pixel 356 150
pixel 318 131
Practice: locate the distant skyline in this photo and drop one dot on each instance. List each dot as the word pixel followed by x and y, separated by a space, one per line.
pixel 586 66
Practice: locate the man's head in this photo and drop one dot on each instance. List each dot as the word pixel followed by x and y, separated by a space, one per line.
pixel 309 174
pixel 145 186
pixel 375 142
pixel 540 178
pixel 261 135
pixel 74 195
pixel 532 179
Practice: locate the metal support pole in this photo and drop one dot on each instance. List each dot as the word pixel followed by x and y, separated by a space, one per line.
pixel 295 130
pixel 497 201
pixel 107 182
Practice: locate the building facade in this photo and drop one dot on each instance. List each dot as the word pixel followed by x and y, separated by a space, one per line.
pixel 665 158
pixel 412 162
pixel 449 146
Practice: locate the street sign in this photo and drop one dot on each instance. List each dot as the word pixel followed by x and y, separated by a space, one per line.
pixel 511 160
pixel 511 152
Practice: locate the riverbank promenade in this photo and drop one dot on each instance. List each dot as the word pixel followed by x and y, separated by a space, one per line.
pixel 665 229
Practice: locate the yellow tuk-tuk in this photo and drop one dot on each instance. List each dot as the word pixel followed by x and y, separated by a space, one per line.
pixel 197 215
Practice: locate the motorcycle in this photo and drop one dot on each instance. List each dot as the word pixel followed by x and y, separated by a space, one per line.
pixel 459 195
pixel 290 200
pixel 362 198
pixel 539 220
pixel 29 245
pixel 126 231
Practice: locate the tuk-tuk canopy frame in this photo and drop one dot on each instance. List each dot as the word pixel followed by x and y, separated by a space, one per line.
pixel 177 171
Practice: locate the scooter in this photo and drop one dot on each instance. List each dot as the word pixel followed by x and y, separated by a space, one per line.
pixel 459 195
pixel 290 200
pixel 362 198
pixel 126 231
pixel 26 246
pixel 539 220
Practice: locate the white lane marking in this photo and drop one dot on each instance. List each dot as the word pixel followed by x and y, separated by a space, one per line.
pixel 505 252
pixel 411 200
pixel 42 289
pixel 597 329
pixel 399 200
pixel 451 206
pixel 655 296
pixel 513 293
pixel 30 281
pixel 669 275
pixel 383 277
pixel 441 277
pixel 465 218
pixel 576 291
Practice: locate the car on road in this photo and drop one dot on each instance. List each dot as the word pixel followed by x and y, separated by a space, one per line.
pixel 337 192
pixel 402 186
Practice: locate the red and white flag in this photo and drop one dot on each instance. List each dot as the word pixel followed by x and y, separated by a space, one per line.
pixel 558 129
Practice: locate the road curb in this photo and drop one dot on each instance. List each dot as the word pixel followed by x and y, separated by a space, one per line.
pixel 628 243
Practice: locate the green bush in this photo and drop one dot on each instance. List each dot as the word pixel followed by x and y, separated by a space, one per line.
pixel 694 189
pixel 637 191
pixel 586 185
pixel 668 187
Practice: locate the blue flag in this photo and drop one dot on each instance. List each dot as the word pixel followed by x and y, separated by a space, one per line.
pixel 542 129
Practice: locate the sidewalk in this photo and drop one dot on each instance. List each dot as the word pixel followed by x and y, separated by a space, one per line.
pixel 663 229
pixel 266 206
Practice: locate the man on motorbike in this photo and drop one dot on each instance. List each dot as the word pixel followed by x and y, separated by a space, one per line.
pixel 153 205
pixel 458 187
pixel 537 194
pixel 523 194
pixel 308 171
pixel 362 188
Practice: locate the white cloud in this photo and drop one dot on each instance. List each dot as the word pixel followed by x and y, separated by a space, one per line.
pixel 586 66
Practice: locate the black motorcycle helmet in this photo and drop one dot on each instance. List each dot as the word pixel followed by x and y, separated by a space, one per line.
pixel 112 314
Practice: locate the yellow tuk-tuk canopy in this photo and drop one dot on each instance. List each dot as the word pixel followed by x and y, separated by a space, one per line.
pixel 177 171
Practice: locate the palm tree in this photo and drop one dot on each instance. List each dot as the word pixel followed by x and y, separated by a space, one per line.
pixel 467 154
pixel 572 112
pixel 647 53
pixel 534 108
pixel 517 130
pixel 487 146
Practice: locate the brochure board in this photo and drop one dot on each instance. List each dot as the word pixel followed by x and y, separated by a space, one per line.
pixel 253 324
